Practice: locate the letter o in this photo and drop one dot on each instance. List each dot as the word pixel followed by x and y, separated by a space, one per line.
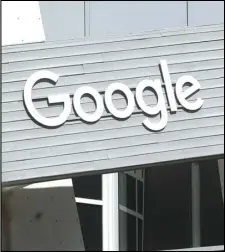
pixel 130 100
pixel 94 117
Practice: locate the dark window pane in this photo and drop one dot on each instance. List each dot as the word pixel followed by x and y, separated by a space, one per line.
pixel 127 191
pixel 91 226
pixel 88 187
pixel 167 213
pixel 140 240
pixel 212 210
pixel 127 224
pixel 140 196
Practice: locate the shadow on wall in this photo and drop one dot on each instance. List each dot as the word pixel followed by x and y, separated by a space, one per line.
pixel 41 219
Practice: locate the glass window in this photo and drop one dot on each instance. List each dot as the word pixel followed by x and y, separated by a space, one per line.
pixel 167 202
pixel 89 187
pixel 131 192
pixel 212 207
pixel 128 231
pixel 91 226
pixel 127 191
pixel 140 234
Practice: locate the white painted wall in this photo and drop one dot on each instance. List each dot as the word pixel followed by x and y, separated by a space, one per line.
pixel 21 22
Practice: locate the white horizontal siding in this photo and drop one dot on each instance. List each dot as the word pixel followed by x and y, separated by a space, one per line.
pixel 85 79
pixel 115 143
pixel 119 101
pixel 109 123
pixel 31 152
pixel 201 75
pixel 123 54
pixel 41 174
pixel 133 129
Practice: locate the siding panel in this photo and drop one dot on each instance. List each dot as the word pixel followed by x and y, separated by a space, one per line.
pixel 76 128
pixel 65 51
pixel 85 79
pixel 32 152
pixel 111 133
pixel 89 107
pixel 114 143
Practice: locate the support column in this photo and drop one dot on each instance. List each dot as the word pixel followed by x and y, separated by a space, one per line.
pixel 110 212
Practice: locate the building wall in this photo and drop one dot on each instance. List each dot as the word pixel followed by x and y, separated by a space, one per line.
pixel 87 19
pixel 99 18
pixel 205 12
pixel 20 26
pixel 195 51
pixel 111 144
pixel 40 216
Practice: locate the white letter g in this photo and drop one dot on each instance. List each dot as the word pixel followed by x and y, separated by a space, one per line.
pixel 63 98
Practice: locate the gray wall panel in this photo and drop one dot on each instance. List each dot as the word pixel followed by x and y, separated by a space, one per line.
pixel 84 79
pixel 114 143
pixel 112 133
pixel 31 152
pixel 19 120
pixel 62 20
pixel 125 17
pixel 75 128
pixel 205 12
pixel 107 39
pixel 184 36
pixel 116 164
pixel 118 151
pixel 214 98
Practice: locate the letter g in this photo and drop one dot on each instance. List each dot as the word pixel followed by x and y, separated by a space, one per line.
pixel 62 98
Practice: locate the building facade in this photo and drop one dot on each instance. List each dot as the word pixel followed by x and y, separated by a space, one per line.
pixel 113 111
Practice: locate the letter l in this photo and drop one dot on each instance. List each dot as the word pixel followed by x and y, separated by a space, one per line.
pixel 169 87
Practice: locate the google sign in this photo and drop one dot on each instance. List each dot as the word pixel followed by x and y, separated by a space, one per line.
pixel 180 92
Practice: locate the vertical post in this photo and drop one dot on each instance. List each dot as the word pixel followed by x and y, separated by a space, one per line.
pixel 110 212
pixel 196 222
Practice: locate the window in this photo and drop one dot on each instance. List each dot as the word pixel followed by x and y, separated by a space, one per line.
pixel 131 192
pixel 91 226
pixel 169 212
pixel 88 194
